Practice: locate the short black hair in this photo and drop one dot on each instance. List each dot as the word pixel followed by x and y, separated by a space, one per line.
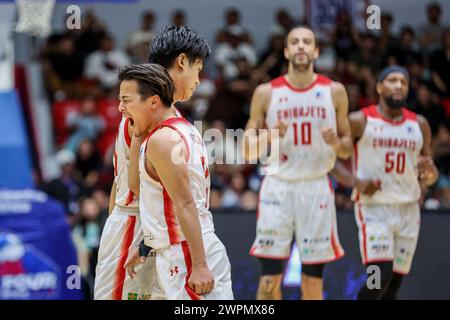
pixel 152 79
pixel 170 42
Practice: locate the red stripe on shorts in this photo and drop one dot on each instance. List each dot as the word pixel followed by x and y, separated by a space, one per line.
pixel 120 270
pixel 188 261
pixel 364 235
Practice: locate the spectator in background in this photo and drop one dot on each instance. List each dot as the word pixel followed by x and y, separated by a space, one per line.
pixel 406 52
pixel 430 33
pixel 367 54
pixel 88 163
pixel 231 104
pixel 232 193
pixel 62 66
pixel 440 65
pixel 232 19
pixel 345 37
pixel 387 42
pixel 215 199
pixel 102 199
pixel 434 113
pixel 67 188
pixel 248 200
pixel 86 237
pixel 139 40
pixel 179 18
pixel 89 36
pixel 283 22
pixel 104 64
pixel 327 58
pixel 272 62
pixel 229 51
pixel 441 149
pixel 85 125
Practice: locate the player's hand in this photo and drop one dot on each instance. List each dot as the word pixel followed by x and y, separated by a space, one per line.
pixel 426 168
pixel 282 127
pixel 367 187
pixel 133 260
pixel 201 279
pixel 330 137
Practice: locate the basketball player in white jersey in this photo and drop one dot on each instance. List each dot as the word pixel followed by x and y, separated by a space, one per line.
pixel 122 230
pixel 111 279
pixel 191 262
pixel 392 161
pixel 296 197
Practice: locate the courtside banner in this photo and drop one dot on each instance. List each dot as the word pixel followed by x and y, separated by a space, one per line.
pixel 37 257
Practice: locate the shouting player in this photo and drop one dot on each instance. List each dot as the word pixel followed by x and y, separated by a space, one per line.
pixel 310 112
pixel 191 262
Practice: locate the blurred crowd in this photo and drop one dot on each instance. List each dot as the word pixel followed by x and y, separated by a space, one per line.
pixel 82 65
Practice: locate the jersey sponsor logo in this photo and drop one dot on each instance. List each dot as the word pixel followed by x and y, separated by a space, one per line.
pixel 382 142
pixel 313 112
pixel 25 272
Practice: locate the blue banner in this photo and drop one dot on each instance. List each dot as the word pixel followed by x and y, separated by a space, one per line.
pixel 37 257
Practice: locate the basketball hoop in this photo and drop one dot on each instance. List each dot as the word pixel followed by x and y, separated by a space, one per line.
pixel 35 16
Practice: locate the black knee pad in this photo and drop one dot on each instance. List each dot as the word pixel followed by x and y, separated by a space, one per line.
pixel 272 266
pixel 313 270
pixel 393 287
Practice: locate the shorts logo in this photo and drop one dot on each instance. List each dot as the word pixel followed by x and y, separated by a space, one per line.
pixel 380 248
pixel 267 232
pixel 173 270
pixel 137 296
pixel 316 240
pixel 323 205
pixel 264 243
pixel 270 202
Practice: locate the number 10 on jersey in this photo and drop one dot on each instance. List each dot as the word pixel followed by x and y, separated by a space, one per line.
pixel 304 131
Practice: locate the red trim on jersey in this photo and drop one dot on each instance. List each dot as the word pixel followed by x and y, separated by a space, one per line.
pixel 372 111
pixel 187 259
pixel 130 198
pixel 127 133
pixel 363 230
pixel 277 82
pixel 320 79
pixel 116 173
pixel 188 151
pixel 170 124
pixel 170 218
pixel 127 239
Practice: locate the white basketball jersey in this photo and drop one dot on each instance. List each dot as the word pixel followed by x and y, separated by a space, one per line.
pixel 159 220
pixel 121 161
pixel 388 152
pixel 303 152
